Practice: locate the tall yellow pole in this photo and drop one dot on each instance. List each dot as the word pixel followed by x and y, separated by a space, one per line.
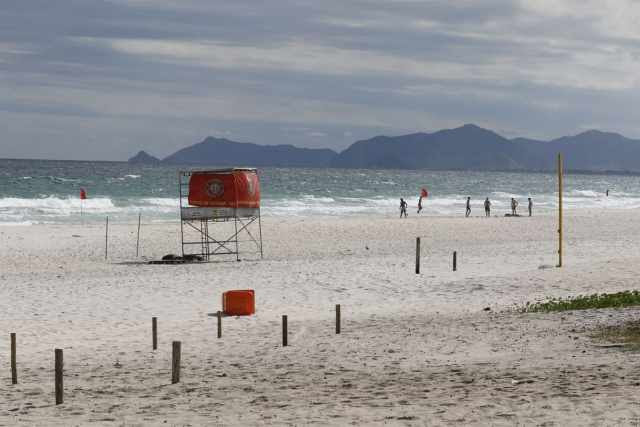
pixel 559 209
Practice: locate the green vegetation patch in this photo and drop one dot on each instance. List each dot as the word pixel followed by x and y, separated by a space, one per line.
pixel 585 302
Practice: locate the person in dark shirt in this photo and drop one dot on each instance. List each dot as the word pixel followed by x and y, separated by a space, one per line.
pixel 403 208
pixel 530 207
pixel 487 207
pixel 468 211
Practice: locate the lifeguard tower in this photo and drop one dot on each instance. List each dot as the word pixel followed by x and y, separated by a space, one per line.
pixel 217 208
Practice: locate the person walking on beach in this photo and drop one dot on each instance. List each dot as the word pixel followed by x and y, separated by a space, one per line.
pixel 487 207
pixel 607 192
pixel 514 206
pixel 468 211
pixel 530 206
pixel 419 204
pixel 403 208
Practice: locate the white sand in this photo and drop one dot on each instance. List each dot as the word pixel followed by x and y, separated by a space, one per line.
pixel 414 349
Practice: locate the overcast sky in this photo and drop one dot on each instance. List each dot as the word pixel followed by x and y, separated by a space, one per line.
pixel 91 79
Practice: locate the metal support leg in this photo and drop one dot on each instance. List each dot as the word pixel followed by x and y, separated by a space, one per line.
pixel 235 223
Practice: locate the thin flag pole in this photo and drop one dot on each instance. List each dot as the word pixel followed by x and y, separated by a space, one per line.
pixel 83 195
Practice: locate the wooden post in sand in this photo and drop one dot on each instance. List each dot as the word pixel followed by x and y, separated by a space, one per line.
pixel 284 331
pixel 58 377
pixel 175 363
pixel 455 261
pixel 559 209
pixel 138 238
pixel 219 316
pixel 417 255
pixel 106 238
pixel 337 318
pixel 14 368
pixel 154 332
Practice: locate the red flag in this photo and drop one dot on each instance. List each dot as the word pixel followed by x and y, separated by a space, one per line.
pixel 83 194
pixel 424 193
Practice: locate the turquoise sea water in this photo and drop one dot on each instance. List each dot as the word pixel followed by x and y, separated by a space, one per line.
pixel 38 191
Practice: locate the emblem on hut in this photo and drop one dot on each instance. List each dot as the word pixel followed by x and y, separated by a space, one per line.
pixel 251 185
pixel 215 188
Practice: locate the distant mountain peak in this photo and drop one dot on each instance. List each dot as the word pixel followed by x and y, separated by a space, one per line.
pixel 598 133
pixel 223 152
pixel 214 139
pixel 144 158
pixel 594 136
pixel 471 130
pixel 471 126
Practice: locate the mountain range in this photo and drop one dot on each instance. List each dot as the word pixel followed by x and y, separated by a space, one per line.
pixel 468 147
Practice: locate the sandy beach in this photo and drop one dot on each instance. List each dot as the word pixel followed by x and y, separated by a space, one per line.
pixel 414 349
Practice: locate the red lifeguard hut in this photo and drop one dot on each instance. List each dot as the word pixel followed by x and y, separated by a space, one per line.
pixel 217 207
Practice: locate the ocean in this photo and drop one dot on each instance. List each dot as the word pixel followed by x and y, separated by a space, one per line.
pixel 46 191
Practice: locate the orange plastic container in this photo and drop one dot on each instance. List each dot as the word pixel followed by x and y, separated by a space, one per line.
pixel 239 303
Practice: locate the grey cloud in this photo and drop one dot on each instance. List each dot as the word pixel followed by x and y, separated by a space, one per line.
pixel 128 74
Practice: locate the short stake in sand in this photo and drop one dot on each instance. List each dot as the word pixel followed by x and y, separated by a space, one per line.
pixel 219 316
pixel 175 363
pixel 58 377
pixel 138 238
pixel 14 368
pixel 417 255
pixel 337 318
pixel 559 209
pixel 106 238
pixel 284 331
pixel 154 332
pixel 455 261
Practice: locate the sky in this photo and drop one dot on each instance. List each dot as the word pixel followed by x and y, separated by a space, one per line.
pixel 102 79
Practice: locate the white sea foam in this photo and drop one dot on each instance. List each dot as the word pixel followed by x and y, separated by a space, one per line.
pixel 586 193
pixel 55 204
pixel 317 199
pixel 441 205
pixel 61 179
pixel 161 201
pixel 46 209
pixel 498 195
pixel 52 209
pixel 16 223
